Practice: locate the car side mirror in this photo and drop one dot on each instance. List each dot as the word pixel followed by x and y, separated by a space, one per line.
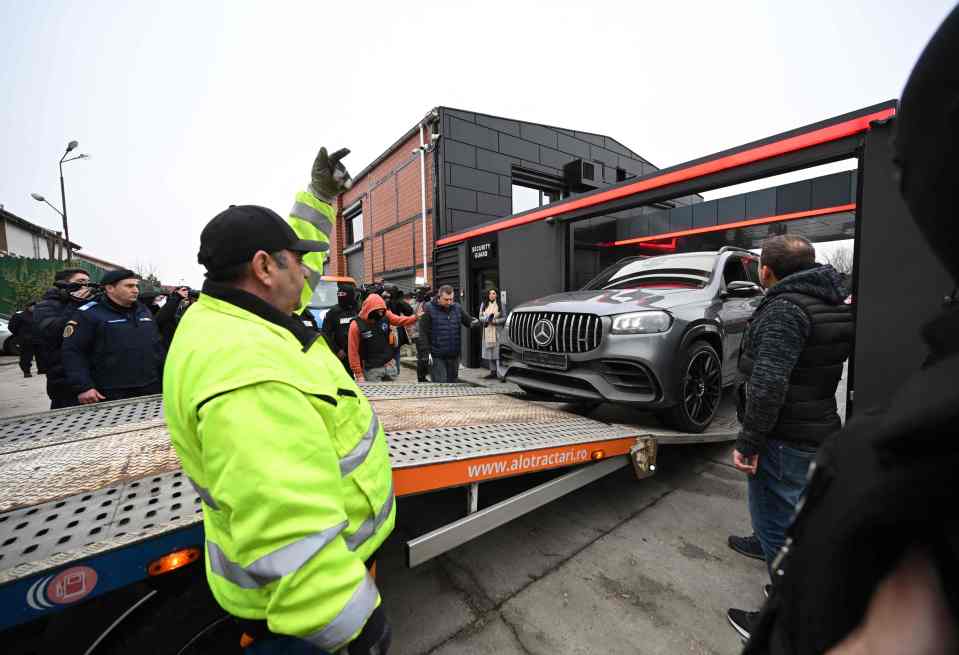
pixel 743 289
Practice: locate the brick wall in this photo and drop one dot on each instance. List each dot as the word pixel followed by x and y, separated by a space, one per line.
pixel 392 229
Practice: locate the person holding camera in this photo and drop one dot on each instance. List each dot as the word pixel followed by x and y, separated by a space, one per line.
pixel 112 348
pixel 71 288
pixel 167 319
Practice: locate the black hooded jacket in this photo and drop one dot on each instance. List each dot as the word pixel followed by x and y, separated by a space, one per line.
pixel 50 316
pixel 792 359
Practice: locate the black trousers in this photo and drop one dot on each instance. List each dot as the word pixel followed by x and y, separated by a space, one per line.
pixel 27 353
pixel 61 395
pixel 422 364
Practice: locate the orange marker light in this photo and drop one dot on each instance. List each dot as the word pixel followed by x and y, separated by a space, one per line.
pixel 173 561
pixel 597 454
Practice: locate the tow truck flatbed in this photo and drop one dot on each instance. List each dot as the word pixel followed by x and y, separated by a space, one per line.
pixel 90 495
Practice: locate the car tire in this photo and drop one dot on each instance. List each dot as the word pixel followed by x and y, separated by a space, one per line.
pixel 700 389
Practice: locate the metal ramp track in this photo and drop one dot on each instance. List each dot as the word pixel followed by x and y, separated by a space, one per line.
pixel 96 520
pixel 82 481
pixel 87 422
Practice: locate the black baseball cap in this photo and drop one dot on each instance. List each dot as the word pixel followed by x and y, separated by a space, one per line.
pixel 233 236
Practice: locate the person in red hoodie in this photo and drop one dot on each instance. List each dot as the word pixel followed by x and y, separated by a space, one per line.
pixel 372 342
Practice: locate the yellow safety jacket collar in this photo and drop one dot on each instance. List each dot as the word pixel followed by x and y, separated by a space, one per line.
pixel 249 302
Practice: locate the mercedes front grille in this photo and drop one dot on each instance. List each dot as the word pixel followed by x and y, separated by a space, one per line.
pixel 568 333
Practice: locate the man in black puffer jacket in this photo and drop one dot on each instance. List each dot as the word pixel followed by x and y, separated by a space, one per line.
pixel 792 360
pixel 871 562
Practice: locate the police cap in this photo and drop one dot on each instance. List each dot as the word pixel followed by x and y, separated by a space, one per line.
pixel 112 277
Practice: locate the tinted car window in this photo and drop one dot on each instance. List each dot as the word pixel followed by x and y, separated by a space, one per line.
pixel 691 271
pixel 734 271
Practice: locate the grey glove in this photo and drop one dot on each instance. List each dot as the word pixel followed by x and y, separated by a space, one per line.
pixel 330 177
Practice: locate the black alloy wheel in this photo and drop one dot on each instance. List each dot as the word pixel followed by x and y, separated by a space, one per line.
pixel 700 389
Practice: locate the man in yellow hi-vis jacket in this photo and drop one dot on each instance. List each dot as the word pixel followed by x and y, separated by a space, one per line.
pixel 284 450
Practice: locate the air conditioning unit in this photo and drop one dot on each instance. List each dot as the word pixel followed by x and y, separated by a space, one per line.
pixel 581 174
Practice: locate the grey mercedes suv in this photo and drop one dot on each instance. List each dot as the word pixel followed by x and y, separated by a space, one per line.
pixel 661 333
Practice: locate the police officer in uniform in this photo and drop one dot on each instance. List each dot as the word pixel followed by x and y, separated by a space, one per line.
pixel 336 323
pixel 111 347
pixel 70 290
pixel 281 445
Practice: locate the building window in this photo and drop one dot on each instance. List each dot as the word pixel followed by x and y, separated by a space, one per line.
pixel 526 198
pixel 354 226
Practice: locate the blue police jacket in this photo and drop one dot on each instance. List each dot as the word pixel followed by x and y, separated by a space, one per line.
pixel 107 347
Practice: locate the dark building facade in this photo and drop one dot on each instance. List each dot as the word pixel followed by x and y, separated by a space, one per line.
pixel 477 168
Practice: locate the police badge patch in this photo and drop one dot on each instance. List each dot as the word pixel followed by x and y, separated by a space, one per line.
pixel 69 329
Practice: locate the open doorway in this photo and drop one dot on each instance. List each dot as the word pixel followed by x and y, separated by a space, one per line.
pixel 483 280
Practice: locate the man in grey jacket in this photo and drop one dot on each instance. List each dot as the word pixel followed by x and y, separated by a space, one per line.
pixel 792 360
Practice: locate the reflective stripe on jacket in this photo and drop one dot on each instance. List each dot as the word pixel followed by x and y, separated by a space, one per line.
pixel 290 462
pixel 313 219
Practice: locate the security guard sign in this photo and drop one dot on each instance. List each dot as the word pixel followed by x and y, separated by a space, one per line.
pixel 69 329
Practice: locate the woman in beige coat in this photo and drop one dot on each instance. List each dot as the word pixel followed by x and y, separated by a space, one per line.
pixel 492 316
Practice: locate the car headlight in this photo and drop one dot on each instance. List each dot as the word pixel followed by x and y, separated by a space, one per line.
pixel 641 323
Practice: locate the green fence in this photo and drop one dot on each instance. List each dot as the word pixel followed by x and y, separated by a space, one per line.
pixel 23 279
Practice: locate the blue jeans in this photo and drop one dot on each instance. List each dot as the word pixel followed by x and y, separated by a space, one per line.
pixel 445 369
pixel 775 491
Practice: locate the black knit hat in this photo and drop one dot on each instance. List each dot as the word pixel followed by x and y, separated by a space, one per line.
pixel 112 277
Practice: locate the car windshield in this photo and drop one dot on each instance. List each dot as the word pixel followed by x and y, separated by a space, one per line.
pixel 324 295
pixel 667 271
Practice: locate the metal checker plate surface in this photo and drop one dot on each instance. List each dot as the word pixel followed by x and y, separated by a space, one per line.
pixel 39 536
pixel 78 423
pixel 391 391
pixel 437 445
pixel 103 517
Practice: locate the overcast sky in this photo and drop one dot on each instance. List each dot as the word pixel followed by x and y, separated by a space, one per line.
pixel 188 107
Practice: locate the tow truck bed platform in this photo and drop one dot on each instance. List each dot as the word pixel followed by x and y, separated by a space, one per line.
pixel 84 487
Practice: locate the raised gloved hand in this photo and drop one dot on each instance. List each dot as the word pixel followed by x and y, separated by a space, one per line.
pixel 330 177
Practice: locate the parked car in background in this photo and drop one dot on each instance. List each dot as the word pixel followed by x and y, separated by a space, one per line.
pixel 660 333
pixel 8 345
pixel 324 295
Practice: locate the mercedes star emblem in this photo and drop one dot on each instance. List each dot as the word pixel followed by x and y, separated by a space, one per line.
pixel 543 332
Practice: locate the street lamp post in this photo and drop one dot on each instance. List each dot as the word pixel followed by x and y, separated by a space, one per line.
pixel 63 194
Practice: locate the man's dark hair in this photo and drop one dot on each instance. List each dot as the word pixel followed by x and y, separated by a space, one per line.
pixel 235 273
pixel 786 254
pixel 67 273
pixel 443 290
